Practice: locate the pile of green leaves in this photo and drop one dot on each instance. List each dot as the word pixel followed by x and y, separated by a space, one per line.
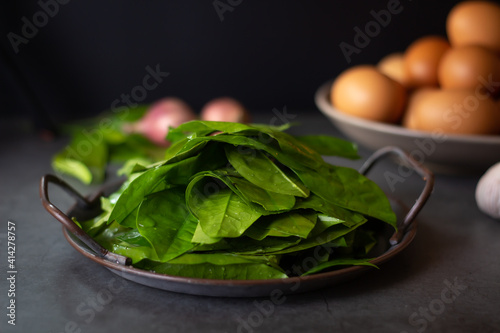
pixel 97 142
pixel 235 201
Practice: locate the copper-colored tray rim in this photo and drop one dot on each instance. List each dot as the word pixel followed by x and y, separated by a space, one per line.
pixel 407 228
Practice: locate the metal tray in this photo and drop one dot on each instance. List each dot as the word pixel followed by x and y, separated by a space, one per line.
pixel 389 245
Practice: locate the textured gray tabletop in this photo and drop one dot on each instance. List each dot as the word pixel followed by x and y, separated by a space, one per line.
pixel 447 280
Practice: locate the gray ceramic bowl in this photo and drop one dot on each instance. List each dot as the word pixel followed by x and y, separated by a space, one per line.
pixel 441 153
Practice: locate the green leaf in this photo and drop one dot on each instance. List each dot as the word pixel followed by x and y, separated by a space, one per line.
pixel 339 262
pixel 221 266
pixel 330 234
pixel 283 225
pixel 364 196
pixel 164 220
pixel 181 150
pixel 359 243
pixel 84 158
pixel 270 201
pixel 222 213
pixel 349 189
pixel 295 148
pixel 65 165
pixel 345 216
pixel 259 170
pixel 196 128
pixel 200 237
pixel 134 165
pixel 330 146
pixel 135 146
pixel 207 127
pixel 125 241
pixel 249 246
pixel 97 141
pixel 149 181
pixel 205 182
pixel 269 146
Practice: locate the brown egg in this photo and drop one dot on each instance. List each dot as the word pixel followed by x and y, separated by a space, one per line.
pixel 470 67
pixel 363 91
pixel 392 65
pixel 475 23
pixel 454 111
pixel 414 97
pixel 421 60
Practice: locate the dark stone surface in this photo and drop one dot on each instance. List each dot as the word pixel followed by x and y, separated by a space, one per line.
pixel 59 290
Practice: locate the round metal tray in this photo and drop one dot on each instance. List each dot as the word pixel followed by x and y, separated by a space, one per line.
pixel 389 245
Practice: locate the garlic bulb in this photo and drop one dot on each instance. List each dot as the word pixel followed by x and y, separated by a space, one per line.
pixel 488 192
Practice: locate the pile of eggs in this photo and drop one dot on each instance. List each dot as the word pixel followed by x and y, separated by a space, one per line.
pixel 441 84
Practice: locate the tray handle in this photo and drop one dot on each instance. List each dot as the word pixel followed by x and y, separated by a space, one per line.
pixel 68 223
pixel 426 175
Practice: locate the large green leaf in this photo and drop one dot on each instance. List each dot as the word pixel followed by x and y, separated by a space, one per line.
pixel 269 200
pixel 259 170
pixel 204 183
pixel 349 189
pixel 154 179
pixel 165 221
pixel 222 213
pixel 283 225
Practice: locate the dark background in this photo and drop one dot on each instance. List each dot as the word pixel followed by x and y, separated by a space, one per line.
pixel 267 54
